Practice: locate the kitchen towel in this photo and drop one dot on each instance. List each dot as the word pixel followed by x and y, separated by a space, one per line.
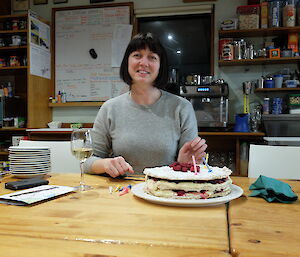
pixel 272 190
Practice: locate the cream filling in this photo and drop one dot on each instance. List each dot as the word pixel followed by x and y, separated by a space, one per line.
pixel 163 188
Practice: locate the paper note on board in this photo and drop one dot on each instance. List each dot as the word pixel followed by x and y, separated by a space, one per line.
pixel 120 40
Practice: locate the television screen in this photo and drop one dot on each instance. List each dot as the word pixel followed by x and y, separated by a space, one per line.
pixel 187 39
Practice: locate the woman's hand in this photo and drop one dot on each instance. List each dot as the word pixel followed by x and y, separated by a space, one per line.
pixel 113 166
pixel 195 147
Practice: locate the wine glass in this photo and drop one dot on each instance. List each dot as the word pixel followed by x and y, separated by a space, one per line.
pixel 81 147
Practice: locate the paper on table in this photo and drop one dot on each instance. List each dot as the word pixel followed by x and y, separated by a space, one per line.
pixel 34 195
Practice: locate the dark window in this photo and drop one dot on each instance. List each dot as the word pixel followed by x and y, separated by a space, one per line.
pixel 187 39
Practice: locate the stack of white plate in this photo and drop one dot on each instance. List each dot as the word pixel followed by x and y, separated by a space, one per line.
pixel 28 161
pixel 2 173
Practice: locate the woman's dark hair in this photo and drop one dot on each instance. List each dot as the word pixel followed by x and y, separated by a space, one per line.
pixel 142 41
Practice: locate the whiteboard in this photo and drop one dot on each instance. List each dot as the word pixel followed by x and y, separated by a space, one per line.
pixel 107 31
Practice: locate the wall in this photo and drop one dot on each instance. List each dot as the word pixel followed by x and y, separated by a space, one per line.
pixel 235 76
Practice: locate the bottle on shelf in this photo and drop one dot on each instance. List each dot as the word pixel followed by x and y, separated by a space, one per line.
pixel 63 96
pixel 59 99
pixel 275 14
pixel 9 89
pixel 266 106
pixel 289 14
pixel 298 13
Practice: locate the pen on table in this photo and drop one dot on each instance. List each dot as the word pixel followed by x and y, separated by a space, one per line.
pixel 36 191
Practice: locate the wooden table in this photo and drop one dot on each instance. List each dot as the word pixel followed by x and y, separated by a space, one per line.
pixel 97 223
pixel 258 228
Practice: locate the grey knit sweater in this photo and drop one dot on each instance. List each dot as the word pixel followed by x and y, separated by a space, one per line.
pixel 145 135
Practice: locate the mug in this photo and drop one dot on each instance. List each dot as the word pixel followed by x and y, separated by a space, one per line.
pixel 16 40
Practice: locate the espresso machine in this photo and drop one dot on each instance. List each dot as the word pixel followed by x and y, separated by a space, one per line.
pixel 210 102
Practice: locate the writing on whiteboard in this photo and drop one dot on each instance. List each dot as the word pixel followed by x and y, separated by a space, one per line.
pixel 89 46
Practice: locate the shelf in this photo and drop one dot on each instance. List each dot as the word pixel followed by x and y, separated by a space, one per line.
pixel 76 104
pixel 14 68
pixel 12 47
pixel 284 89
pixel 258 32
pixel 259 61
pixel 4 153
pixel 238 134
pixel 13 16
pixel 12 129
pixel 13 31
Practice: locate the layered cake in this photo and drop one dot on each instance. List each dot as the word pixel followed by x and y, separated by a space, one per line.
pixel 180 181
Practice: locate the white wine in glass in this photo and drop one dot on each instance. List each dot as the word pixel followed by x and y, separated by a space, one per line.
pixel 81 148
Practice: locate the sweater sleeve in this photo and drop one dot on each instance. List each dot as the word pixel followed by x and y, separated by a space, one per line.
pixel 188 124
pixel 101 138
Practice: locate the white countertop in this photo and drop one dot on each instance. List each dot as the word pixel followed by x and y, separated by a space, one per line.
pixel 50 129
pixel 289 139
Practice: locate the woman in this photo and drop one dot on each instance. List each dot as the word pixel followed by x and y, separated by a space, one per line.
pixel 146 126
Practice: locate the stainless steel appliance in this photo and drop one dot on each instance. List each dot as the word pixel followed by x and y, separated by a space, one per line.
pixel 210 103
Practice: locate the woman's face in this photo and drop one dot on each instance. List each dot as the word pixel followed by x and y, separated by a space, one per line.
pixel 143 66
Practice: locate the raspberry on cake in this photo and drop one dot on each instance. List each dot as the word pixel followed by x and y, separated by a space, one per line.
pixel 179 181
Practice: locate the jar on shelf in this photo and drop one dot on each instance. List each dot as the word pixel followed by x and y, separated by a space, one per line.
pixel 289 14
pixel 248 16
pixel 14 61
pixel 14 25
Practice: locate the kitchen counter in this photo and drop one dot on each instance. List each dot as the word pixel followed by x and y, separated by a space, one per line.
pixel 217 142
pixel 231 142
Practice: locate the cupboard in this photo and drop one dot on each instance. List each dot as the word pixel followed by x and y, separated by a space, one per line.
pixel 33 90
pixel 24 97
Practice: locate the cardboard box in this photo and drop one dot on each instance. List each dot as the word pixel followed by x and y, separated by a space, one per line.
pixel 293 41
pixel 264 15
pixel 229 24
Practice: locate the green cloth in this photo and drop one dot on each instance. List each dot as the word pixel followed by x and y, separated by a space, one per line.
pixel 272 190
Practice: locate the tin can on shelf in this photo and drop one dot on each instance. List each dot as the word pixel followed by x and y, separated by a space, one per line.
pixel 269 83
pixel 223 47
pixel 277 105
